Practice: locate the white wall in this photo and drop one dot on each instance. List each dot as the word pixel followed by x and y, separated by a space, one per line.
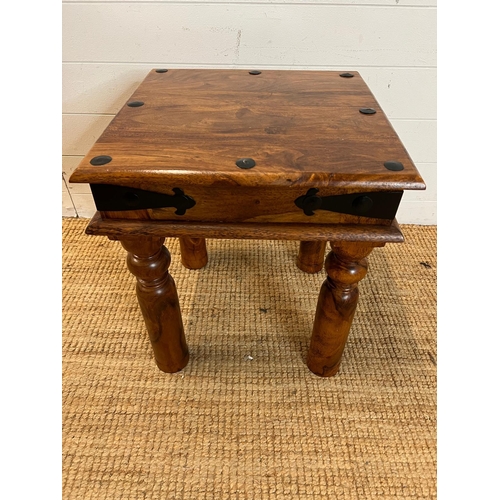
pixel 109 46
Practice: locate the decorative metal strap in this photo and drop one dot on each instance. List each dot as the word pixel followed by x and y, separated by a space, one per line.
pixel 118 198
pixel 379 205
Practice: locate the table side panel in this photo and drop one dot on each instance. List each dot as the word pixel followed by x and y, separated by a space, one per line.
pixel 268 204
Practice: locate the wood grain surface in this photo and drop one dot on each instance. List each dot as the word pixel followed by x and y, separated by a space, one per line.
pixel 311 256
pixel 301 128
pixel 345 265
pixel 265 204
pixel 193 252
pixel 302 232
pixel 148 260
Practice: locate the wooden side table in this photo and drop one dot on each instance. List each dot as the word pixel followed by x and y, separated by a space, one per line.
pixel 285 155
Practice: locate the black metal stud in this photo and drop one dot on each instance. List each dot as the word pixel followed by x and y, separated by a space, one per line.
pixel 310 201
pixel 254 72
pixel 367 111
pixel 393 165
pixel 245 163
pixel 135 104
pixel 362 204
pixel 346 75
pixel 161 70
pixel 100 160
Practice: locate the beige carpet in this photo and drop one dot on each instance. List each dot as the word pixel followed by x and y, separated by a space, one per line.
pixel 246 419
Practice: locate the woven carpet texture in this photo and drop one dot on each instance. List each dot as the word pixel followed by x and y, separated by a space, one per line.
pixel 246 419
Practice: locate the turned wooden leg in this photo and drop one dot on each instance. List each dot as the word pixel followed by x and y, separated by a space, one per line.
pixel 193 252
pixel 346 266
pixel 311 256
pixel 148 260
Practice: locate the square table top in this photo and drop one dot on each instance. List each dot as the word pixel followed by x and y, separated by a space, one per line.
pixel 307 128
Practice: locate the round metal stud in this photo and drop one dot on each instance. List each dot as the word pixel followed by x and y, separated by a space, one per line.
pixel 135 104
pixel 254 72
pixel 100 160
pixel 346 75
pixel 161 70
pixel 311 203
pixel 245 163
pixel 393 165
pixel 367 111
pixel 362 204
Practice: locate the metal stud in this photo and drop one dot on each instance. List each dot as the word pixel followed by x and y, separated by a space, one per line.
pixel 161 70
pixel 393 165
pixel 346 75
pixel 245 163
pixel 362 204
pixel 367 111
pixel 135 104
pixel 254 72
pixel 100 160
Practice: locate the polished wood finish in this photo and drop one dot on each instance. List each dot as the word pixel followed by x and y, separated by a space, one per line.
pixel 303 129
pixel 244 204
pixel 148 260
pixel 307 136
pixel 311 256
pixel 313 232
pixel 193 252
pixel 345 265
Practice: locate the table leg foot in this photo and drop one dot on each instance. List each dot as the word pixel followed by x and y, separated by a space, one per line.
pixel 193 252
pixel 311 256
pixel 148 260
pixel 345 266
